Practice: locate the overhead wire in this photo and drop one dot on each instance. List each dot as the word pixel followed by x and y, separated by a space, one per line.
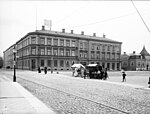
pixel 105 20
pixel 70 14
pixel 140 16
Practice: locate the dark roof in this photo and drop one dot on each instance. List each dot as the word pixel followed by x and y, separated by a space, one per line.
pixel 144 52
pixel 76 35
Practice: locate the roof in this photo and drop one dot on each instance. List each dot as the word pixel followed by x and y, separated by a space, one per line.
pixel 76 35
pixel 92 65
pixel 144 52
pixel 134 54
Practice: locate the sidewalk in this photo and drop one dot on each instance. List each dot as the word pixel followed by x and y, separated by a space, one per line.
pixel 14 99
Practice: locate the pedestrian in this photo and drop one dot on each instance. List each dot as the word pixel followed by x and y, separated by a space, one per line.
pixel 45 70
pixel 39 70
pixel 149 82
pixel 84 73
pixel 79 72
pixel 105 74
pixel 124 77
pixel 73 71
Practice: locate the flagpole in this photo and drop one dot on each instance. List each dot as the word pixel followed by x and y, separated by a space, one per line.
pixel 36 17
pixel 50 24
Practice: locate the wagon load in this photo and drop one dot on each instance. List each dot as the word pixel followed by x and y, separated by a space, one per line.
pixel 77 68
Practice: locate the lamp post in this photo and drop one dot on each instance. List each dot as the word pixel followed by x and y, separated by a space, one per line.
pixel 52 64
pixel 14 77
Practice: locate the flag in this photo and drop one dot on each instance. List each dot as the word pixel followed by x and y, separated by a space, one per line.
pixel 47 23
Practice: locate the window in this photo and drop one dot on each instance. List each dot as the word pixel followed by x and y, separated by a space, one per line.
pixel 103 55
pixel 42 51
pixel 56 42
pixel 132 63
pixel 61 52
pixel 118 56
pixel 68 43
pixel 103 47
pixel 24 43
pixel 27 51
pixel 81 54
pixel 108 48
pixel 113 48
pixel 33 40
pixel 108 65
pixel 49 51
pixel 92 55
pixel 73 53
pixel 98 55
pixel 49 63
pixel 118 65
pixel 124 63
pixel 55 52
pixel 108 55
pixel 85 45
pixel 55 63
pixel 49 41
pixel 98 47
pixel 42 40
pixel 103 65
pixel 67 63
pixel 113 66
pixel 81 45
pixel 73 43
pixel 33 50
pixel 42 63
pixel 61 42
pixel 67 52
pixel 85 54
pixel 61 63
pixel 113 55
pixel 27 43
pixel 116 48
pixel 92 47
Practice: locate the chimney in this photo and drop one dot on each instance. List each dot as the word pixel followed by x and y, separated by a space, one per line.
pixel 94 34
pixel 82 32
pixel 133 52
pixel 104 35
pixel 43 27
pixel 71 31
pixel 63 30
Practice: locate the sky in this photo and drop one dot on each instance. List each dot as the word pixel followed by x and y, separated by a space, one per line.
pixel 118 20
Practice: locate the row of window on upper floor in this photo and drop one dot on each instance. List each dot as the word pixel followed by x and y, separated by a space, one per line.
pixel 98 46
pixel 100 55
pixel 132 63
pixel 48 51
pixel 47 41
pixel 65 42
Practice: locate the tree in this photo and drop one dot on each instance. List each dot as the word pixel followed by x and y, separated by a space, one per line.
pixel 1 62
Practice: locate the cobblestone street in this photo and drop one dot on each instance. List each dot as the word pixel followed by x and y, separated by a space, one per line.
pixel 112 95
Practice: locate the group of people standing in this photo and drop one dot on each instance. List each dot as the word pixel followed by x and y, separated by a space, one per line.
pixel 91 73
pixel 45 70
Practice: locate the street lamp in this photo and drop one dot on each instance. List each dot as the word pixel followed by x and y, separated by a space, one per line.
pixel 52 64
pixel 14 62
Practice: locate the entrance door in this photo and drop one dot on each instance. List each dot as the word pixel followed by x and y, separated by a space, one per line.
pixel 33 64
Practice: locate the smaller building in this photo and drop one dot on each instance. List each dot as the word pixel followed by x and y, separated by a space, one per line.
pixel 136 61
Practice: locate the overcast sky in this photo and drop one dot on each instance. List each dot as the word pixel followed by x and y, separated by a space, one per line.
pixel 118 20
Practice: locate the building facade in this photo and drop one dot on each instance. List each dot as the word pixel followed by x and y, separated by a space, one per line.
pixel 136 61
pixel 59 50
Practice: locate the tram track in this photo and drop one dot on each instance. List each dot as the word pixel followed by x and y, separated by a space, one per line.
pixel 77 96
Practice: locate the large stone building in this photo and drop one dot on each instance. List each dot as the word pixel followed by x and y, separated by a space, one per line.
pixel 59 50
pixel 136 61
